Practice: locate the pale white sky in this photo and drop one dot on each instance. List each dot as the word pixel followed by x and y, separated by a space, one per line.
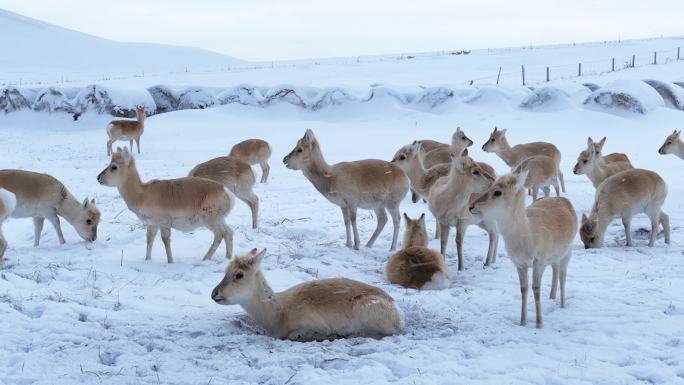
pixel 289 29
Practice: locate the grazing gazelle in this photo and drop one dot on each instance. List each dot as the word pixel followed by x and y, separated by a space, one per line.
pixel 236 175
pixel 370 184
pixel 8 201
pixel 536 236
pixel 311 311
pixel 512 156
pixel 42 197
pixel 673 145
pixel 184 204
pixel 598 167
pixel 622 195
pixel 416 266
pixel 254 151
pixel 126 129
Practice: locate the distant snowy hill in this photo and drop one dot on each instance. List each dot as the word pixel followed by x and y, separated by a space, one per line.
pixel 29 45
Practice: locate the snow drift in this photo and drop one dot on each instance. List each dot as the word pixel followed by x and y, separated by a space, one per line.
pixel 626 95
pixel 672 94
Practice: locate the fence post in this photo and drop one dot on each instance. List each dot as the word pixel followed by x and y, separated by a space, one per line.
pixel 523 74
pixel 655 57
pixel 547 74
pixel 498 76
pixel 678 48
pixel 633 60
pixel 612 67
pixel 579 69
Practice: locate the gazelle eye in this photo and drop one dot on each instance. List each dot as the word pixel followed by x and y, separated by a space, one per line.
pixel 584 161
pixel 239 275
pixel 402 157
pixel 492 140
pixel 89 221
pixel 299 150
pixel 669 142
pixel 114 168
pixel 497 193
pixel 476 172
pixel 592 239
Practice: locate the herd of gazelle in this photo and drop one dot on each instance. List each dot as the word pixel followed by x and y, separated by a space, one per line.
pixel 459 192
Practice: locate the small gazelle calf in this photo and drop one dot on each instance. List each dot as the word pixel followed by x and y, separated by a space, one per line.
pixel 8 201
pixel 536 236
pixel 673 145
pixel 126 129
pixel 236 175
pixel 311 311
pixel 512 156
pixel 416 266
pixel 597 167
pixel 407 157
pixel 42 197
pixel 254 151
pixel 621 196
pixel 542 172
pixel 184 204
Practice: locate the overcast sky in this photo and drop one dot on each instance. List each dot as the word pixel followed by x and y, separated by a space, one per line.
pixel 289 29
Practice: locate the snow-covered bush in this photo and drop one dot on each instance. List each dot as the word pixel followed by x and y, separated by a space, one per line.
pixel 116 102
pixel 380 92
pixel 11 99
pixel 670 92
pixel 52 99
pixel 164 98
pixel 243 94
pixel 287 94
pixel 555 97
pixel 330 97
pixel 195 97
pixel 628 95
pixel 433 96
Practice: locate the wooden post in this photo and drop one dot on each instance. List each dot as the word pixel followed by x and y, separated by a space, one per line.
pixel 678 48
pixel 523 74
pixel 498 76
pixel 547 74
pixel 633 60
pixel 612 67
pixel 655 57
pixel 579 69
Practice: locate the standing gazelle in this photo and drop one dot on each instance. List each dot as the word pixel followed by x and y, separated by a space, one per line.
pixel 7 204
pixel 673 145
pixel 184 203
pixel 126 129
pixel 311 311
pixel 536 236
pixel 370 184
pixel 254 151
pixel 598 167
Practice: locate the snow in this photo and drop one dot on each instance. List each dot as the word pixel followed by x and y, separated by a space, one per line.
pixel 628 95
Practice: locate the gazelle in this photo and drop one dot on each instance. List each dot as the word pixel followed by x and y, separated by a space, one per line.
pixel 407 151
pixel 126 129
pixel 512 156
pixel 184 204
pixel 254 151
pixel 41 197
pixel 311 311
pixel 416 266
pixel 542 173
pixel 8 201
pixel 621 196
pixel 235 175
pixel 449 201
pixel 370 184
pixel 673 145
pixel 597 167
pixel 536 236
pixel 422 178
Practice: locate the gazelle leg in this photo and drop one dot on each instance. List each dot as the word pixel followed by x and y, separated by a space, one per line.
pixel 537 272
pixel 166 238
pixel 522 276
pixel 382 221
pixel 37 229
pixel 151 233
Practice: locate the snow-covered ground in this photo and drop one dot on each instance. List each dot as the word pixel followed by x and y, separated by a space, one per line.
pixel 98 313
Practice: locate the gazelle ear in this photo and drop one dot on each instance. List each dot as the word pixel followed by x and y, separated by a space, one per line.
pixel 422 220
pixel 260 257
pixel 584 217
pixel 406 217
pixel 309 135
pixel 522 177
pixel 601 143
pixel 678 132
pixel 86 203
pixel 496 129
pixel 503 132
pixel 92 201
pixel 590 142
pixel 126 155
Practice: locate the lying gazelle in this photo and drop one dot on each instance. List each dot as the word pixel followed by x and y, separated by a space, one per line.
pixel 598 167
pixel 184 204
pixel 536 236
pixel 416 266
pixel 542 172
pixel 235 175
pixel 512 156
pixel 8 201
pixel 449 201
pixel 621 196
pixel 126 129
pixel 369 184
pixel 311 311
pixel 673 145
pixel 41 197
pixel 254 151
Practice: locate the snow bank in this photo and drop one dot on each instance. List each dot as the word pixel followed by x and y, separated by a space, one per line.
pixel 628 95
pixel 196 98
pixel 491 96
pixel 114 101
pixel 52 99
pixel 672 94
pixel 165 98
pixel 555 97
pixel 11 99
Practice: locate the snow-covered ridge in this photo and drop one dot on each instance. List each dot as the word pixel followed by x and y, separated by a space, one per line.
pixel 630 95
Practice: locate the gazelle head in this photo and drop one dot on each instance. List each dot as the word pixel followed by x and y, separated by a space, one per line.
pixel 586 157
pixel 300 156
pixel 87 219
pixel 501 196
pixel 589 233
pixel 496 138
pixel 415 233
pixel 116 174
pixel 459 140
pixel 240 279
pixel 670 143
pixel 140 112
pixel 404 156
pixel 478 179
